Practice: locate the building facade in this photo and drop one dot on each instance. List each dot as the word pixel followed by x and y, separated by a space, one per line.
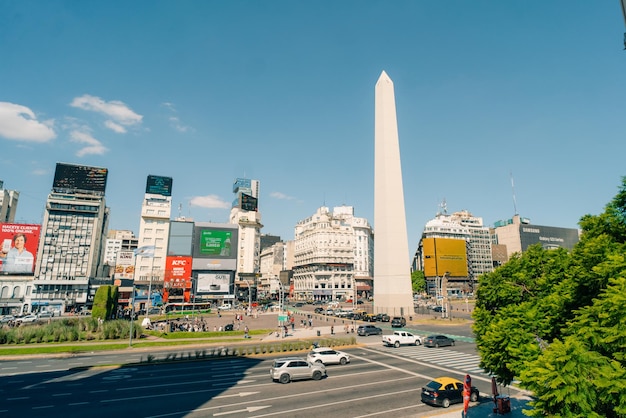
pixel 72 239
pixel 327 248
pixel 8 203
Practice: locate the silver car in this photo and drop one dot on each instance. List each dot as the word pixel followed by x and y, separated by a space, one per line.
pixel 287 369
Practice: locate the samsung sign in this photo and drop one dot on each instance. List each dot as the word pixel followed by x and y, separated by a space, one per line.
pixel 548 236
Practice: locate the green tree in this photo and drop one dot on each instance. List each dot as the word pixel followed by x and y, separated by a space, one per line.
pixel 555 320
pixel 418 281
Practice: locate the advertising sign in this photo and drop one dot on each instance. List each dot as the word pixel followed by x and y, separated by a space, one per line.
pixel 548 236
pixel 125 265
pixel 443 255
pixel 249 203
pixel 19 244
pixel 214 283
pixel 177 272
pixel 71 178
pixel 212 242
pixel 159 185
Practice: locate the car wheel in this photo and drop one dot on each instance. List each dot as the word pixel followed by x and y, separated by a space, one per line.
pixel 473 396
pixel 396 344
pixel 284 378
pixel 445 403
pixel 318 361
pixel 317 375
pixel 343 361
pixel 452 343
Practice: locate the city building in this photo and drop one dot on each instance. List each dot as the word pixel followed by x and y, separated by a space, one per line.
pixel 73 233
pixel 8 204
pixel 117 241
pixel 517 234
pixel 245 213
pixel 154 228
pixel 456 248
pixel 327 247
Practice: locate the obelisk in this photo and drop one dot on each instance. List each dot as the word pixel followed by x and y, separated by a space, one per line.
pixel 392 275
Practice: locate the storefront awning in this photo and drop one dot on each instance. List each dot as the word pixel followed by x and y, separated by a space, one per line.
pixel 364 287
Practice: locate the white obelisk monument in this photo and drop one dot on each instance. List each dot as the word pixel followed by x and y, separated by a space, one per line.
pixel 392 274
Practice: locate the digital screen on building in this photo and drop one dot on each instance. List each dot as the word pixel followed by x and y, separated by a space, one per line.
pixel 214 282
pixel 73 178
pixel 178 272
pixel 444 255
pixel 159 185
pixel 215 242
pixel 18 251
pixel 549 237
pixel 248 202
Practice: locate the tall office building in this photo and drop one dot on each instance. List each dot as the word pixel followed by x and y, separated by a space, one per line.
pixel 245 213
pixel 72 238
pixel 392 275
pixel 154 228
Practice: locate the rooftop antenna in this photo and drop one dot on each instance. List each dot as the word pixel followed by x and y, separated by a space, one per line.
pixel 514 201
pixel 180 208
pixel 443 207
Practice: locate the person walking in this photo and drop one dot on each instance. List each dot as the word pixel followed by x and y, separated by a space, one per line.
pixel 245 332
pixel 332 330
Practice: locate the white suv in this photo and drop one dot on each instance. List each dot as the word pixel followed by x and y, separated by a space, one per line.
pixel 287 369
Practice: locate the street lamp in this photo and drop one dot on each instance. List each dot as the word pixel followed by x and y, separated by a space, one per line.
pixel 249 295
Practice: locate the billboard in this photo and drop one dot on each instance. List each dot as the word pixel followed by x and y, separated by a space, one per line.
pixel 70 178
pixel 19 247
pixel 125 265
pixel 249 203
pixel 159 185
pixel 549 237
pixel 177 272
pixel 443 255
pixel 215 242
pixel 215 283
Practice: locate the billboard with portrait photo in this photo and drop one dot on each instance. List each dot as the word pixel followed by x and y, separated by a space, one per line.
pixel 19 244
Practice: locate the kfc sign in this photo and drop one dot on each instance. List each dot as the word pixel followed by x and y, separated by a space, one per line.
pixel 178 271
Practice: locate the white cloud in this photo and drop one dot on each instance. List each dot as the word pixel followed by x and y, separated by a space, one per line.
pixel 20 123
pixel 210 202
pixel 281 196
pixel 93 145
pixel 175 120
pixel 119 113
pixel 115 127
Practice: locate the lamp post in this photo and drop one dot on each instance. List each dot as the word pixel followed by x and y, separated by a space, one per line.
pixel 353 302
pixel 132 316
pixel 249 295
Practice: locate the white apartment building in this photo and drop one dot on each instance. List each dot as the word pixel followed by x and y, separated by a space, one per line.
pixel 479 255
pixel 118 240
pixel 330 250
pixel 154 228
pixel 272 262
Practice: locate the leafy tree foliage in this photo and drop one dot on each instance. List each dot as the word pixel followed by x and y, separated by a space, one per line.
pixel 556 320
pixel 418 281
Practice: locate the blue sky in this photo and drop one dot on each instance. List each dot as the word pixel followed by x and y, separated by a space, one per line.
pixel 283 92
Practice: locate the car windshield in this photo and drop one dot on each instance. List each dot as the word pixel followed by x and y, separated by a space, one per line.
pixel 278 363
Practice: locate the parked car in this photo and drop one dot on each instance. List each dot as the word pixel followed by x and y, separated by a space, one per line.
pixel 27 318
pixel 229 327
pixel 438 341
pixel 298 305
pixel 287 369
pixel 359 302
pixel 7 318
pixel 383 317
pixel 370 318
pixel 365 330
pixel 327 355
pixel 318 310
pixel 46 314
pixel 445 391
pixel 439 309
pixel 225 307
pixel 398 322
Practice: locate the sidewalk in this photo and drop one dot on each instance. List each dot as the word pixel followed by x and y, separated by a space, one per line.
pixel 484 410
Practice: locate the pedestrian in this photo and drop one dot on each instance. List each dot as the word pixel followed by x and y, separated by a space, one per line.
pixel 310 323
pixel 245 332
pixel 332 330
